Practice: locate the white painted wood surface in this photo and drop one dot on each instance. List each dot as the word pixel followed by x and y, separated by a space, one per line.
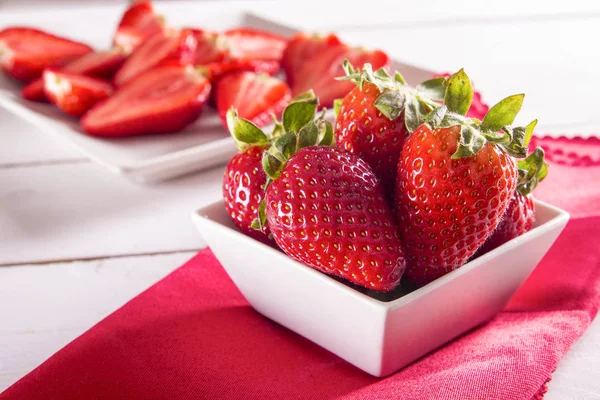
pixel 55 205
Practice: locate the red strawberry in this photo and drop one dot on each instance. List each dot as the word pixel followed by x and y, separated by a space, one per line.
pixel 102 64
pixel 74 94
pixel 211 47
pixel 456 178
pixel 34 91
pixel 328 210
pixel 25 52
pixel 302 47
pixel 254 44
pixel 243 190
pixel 176 47
pixel 478 107
pixel 319 72
pixel 162 100
pixel 447 207
pixel 137 25
pixel 216 70
pixel 518 219
pixel 256 97
pixel 370 125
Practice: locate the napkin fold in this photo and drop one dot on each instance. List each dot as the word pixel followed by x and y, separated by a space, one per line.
pixel 193 335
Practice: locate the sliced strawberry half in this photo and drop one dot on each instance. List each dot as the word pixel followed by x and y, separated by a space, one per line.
pixel 319 72
pixel 139 23
pixel 175 47
pixel 254 44
pixel 25 52
pixel 302 47
pixel 217 70
pixel 211 47
pixel 256 97
pixel 102 64
pixel 162 100
pixel 74 94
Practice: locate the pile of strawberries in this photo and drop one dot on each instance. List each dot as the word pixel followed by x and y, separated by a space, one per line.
pixel 156 79
pixel 404 185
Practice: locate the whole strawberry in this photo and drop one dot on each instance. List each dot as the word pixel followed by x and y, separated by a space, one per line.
pixel 375 118
pixel 328 210
pixel 520 214
pixel 456 178
pixel 244 179
pixel 325 207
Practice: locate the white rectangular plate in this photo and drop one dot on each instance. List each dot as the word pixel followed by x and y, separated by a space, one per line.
pixel 204 144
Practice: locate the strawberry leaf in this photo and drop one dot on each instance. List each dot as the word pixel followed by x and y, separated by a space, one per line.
pixel 244 132
pixel 529 132
pixel 337 104
pixel 260 222
pixel 326 137
pixel 433 88
pixel 308 135
pixel 532 170
pixel 391 103
pixel 459 93
pixel 300 112
pixel 503 113
pixel 471 141
pixel 413 115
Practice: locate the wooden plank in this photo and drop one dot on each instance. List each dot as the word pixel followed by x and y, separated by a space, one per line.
pixel 75 211
pixel 46 307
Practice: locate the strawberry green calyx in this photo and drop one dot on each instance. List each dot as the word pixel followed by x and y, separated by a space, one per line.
pixel 532 170
pixel 244 132
pixel 495 127
pixel 397 96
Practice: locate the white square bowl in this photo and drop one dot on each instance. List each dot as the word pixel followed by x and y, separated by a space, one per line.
pixel 376 336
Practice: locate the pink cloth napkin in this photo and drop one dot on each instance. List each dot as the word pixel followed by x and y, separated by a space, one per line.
pixel 193 336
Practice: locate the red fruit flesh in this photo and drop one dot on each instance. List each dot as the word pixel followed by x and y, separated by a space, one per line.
pixel 216 70
pixel 254 44
pixel 256 97
pixel 211 47
pixel 302 47
pixel 162 100
pixel 319 72
pixel 25 52
pixel 102 64
pixel 362 129
pixel 74 94
pixel 243 190
pixel 518 219
pixel 172 48
pixel 328 210
pixel 34 91
pixel 447 208
pixel 99 63
pixel 138 23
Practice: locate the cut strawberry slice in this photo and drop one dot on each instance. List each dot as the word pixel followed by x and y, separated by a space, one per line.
pixel 211 47
pixel 102 64
pixel 302 47
pixel 74 94
pixel 176 47
pixel 218 69
pixel 320 71
pixel 137 25
pixel 256 97
pixel 254 44
pixel 25 52
pixel 162 100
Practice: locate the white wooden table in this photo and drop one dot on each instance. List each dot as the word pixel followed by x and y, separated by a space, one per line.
pixel 77 242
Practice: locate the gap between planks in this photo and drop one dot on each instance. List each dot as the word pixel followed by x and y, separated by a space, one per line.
pixel 30 164
pixel 100 258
